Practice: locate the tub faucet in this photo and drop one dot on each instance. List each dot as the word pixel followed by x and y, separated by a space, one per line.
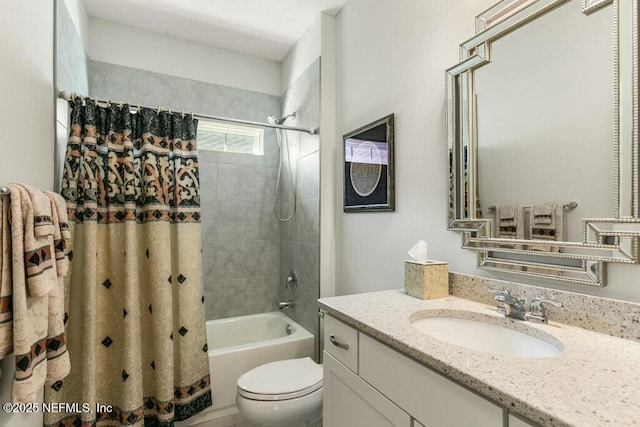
pixel 286 304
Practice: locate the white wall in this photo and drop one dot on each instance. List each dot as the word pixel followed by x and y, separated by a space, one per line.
pixel 26 116
pixel 391 59
pixel 306 50
pixel 27 120
pixel 329 147
pixel 153 51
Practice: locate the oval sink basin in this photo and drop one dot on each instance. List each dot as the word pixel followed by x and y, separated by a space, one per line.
pixel 487 337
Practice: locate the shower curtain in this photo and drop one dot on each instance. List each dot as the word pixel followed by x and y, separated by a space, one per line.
pixel 134 299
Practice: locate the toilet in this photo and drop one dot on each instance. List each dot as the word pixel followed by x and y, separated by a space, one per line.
pixel 286 393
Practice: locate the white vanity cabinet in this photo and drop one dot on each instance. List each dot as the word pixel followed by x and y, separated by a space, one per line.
pixel 350 401
pixel 367 383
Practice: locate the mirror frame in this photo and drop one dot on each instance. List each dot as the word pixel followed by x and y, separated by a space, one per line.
pixel 603 239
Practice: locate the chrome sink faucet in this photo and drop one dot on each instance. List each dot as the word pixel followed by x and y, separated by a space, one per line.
pixel 509 305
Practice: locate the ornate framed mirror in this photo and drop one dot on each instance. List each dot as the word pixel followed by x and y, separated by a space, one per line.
pixel 542 138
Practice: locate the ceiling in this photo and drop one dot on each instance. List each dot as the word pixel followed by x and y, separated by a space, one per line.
pixel 266 29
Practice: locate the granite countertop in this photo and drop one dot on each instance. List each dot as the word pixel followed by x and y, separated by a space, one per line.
pixel 595 381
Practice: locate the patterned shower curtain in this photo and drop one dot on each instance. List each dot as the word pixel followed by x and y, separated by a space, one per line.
pixel 134 309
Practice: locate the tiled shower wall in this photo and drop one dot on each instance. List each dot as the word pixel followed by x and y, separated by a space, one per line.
pixel 300 250
pixel 71 76
pixel 247 253
pixel 71 59
pixel 241 237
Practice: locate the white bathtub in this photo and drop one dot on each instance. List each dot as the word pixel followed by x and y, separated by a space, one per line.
pixel 238 344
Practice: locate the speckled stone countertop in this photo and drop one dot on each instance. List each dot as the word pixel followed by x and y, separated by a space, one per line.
pixel 595 381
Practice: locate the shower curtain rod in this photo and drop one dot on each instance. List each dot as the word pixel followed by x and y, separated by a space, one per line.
pixel 311 131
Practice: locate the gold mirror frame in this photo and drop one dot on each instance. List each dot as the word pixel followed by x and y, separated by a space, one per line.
pixel 603 239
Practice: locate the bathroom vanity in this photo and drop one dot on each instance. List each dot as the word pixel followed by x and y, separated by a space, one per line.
pixel 380 369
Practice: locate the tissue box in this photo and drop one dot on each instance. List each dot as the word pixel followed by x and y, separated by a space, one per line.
pixel 426 281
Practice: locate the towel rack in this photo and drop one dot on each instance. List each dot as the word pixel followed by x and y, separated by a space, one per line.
pixel 570 205
pixel 4 191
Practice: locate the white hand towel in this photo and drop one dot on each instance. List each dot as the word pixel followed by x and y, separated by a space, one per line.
pixel 543 214
pixel 552 230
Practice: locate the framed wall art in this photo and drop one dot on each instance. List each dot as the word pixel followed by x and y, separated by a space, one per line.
pixel 368 167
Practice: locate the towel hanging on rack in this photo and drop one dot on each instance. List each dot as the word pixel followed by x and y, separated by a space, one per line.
pixel 510 221
pixel 6 307
pixel 547 223
pixel 39 341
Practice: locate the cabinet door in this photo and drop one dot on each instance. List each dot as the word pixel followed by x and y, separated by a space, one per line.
pixel 429 397
pixel 350 401
pixel 518 422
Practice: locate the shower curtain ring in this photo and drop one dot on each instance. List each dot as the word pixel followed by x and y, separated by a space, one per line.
pixel 182 114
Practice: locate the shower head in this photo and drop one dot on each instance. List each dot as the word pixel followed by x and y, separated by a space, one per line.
pixel 278 121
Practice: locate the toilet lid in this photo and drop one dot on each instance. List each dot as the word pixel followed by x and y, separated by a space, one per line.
pixel 282 379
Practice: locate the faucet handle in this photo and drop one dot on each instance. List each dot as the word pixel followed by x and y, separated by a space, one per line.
pixel 499 291
pixel 500 296
pixel 537 312
pixel 537 303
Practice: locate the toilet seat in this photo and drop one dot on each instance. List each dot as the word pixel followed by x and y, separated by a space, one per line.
pixel 281 380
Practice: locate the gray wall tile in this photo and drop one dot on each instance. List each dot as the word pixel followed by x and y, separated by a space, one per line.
pixel 308 177
pixel 268 259
pixel 268 225
pixel 233 259
pixel 247 253
pixel 237 158
pixel 299 248
pixel 154 89
pixel 271 148
pixel 266 178
pixel 208 173
pixel 236 183
pixel 71 58
pixel 307 221
pixel 209 223
pixel 236 221
pixel 210 156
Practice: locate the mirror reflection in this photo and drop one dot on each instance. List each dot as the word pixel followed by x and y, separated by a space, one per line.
pixel 542 138
pixel 545 122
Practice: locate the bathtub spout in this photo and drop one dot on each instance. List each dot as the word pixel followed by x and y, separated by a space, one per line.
pixel 286 304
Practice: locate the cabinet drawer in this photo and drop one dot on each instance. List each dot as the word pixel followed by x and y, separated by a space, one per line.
pixel 430 398
pixel 349 401
pixel 341 341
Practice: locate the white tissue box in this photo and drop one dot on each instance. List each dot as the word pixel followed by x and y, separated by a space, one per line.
pixel 426 281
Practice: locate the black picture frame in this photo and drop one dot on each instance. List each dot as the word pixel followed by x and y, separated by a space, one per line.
pixel 369 167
